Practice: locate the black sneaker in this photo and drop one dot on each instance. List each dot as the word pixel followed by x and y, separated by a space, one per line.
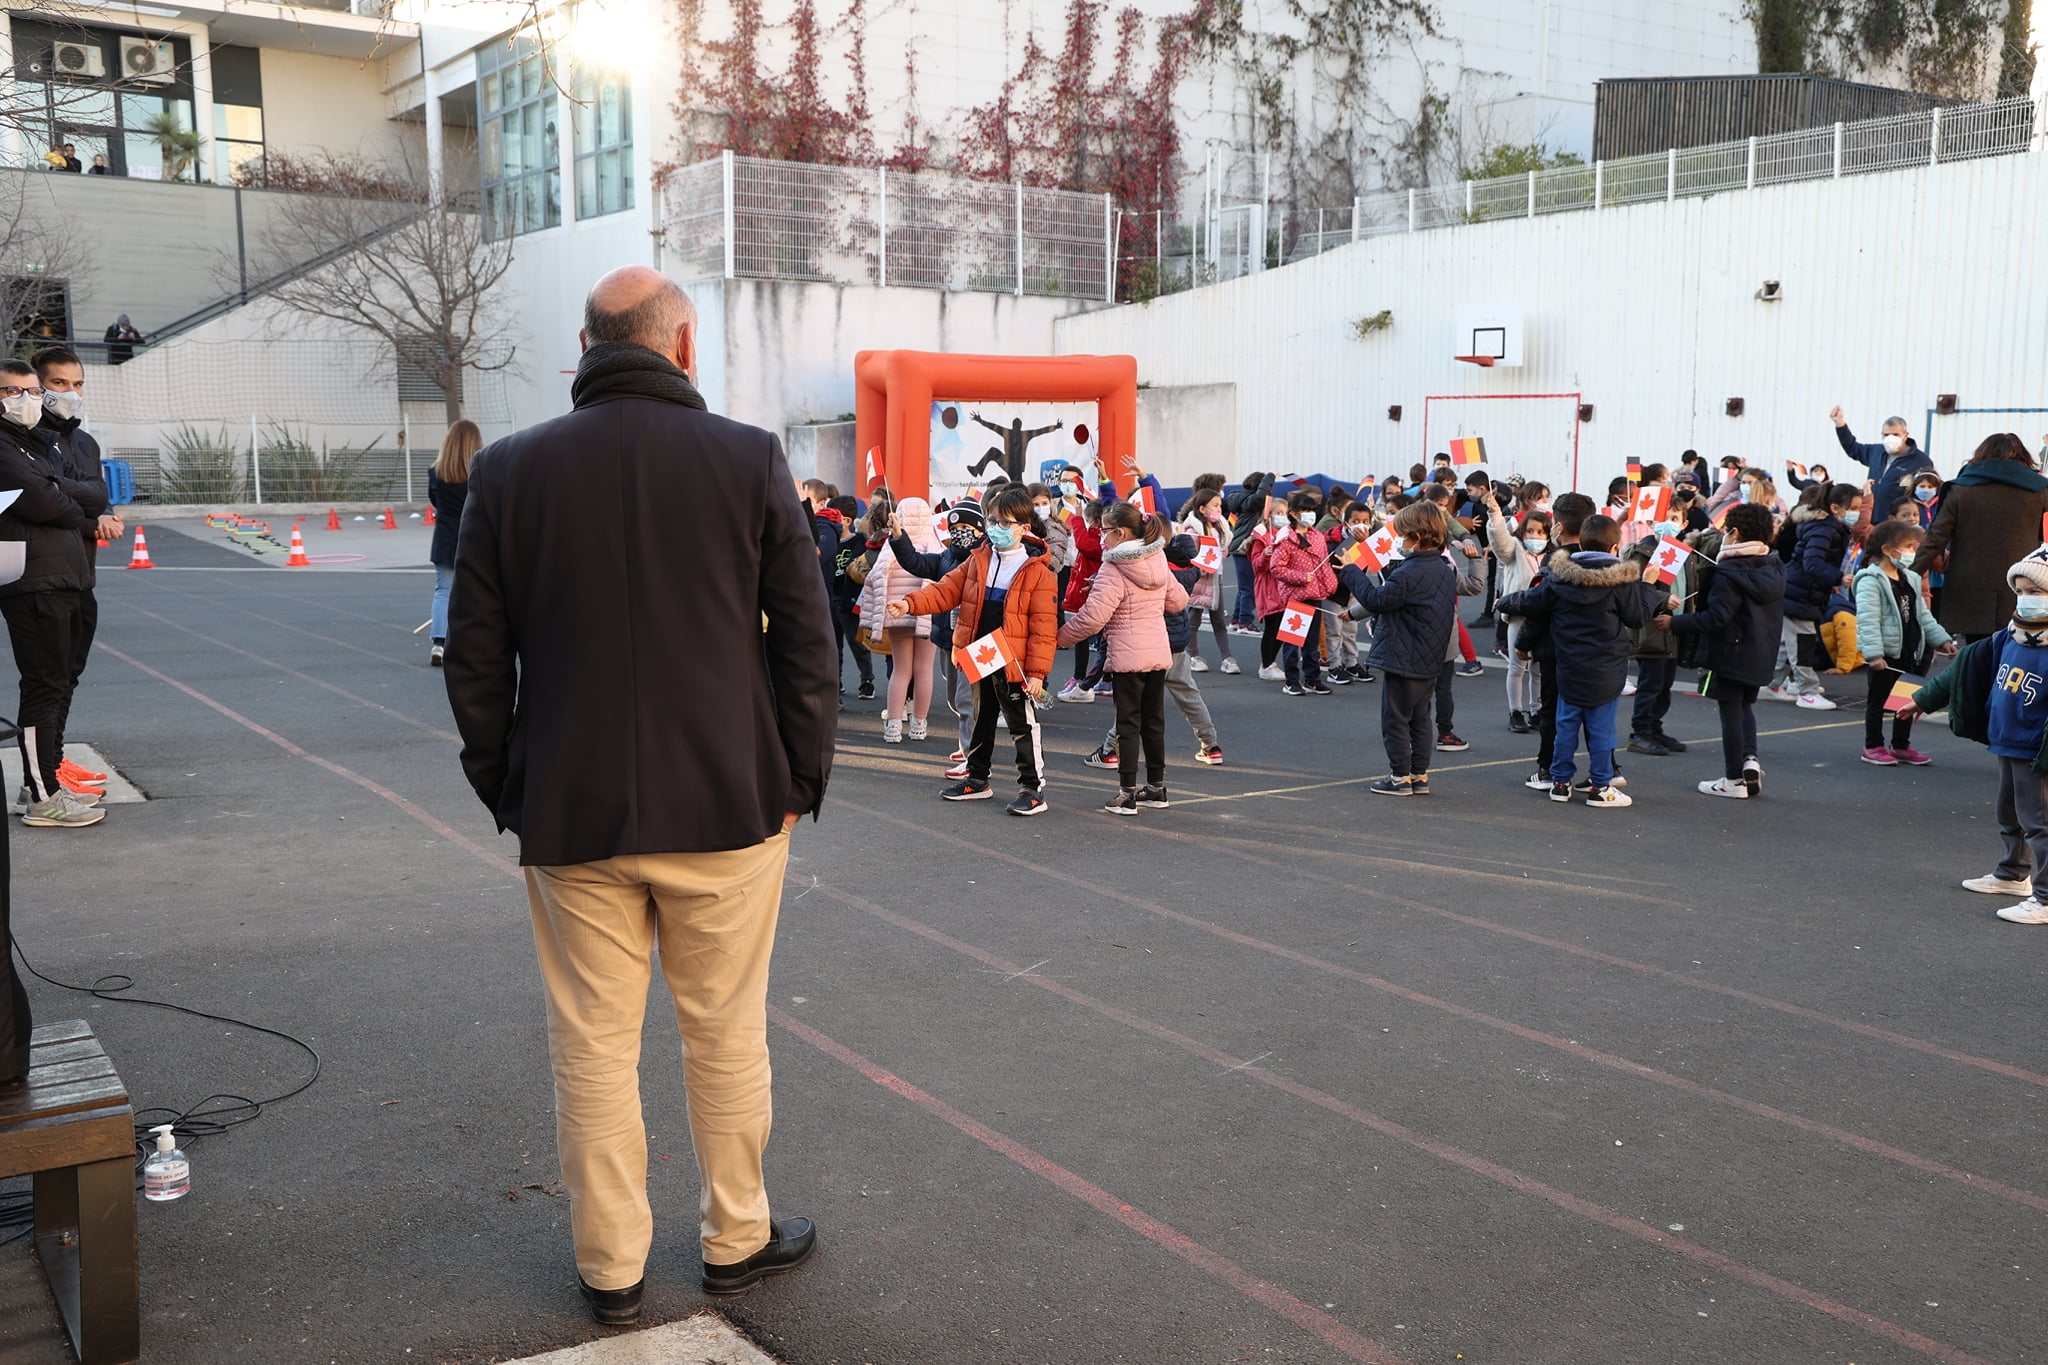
pixel 1539 781
pixel 614 1307
pixel 1390 786
pixel 1099 758
pixel 791 1242
pixel 1029 803
pixel 1292 690
pixel 1338 677
pixel 1669 743
pixel 867 690
pixel 1562 791
pixel 1585 784
pixel 1152 798
pixel 1451 744
pixel 1475 669
pixel 1418 785
pixel 1363 675
pixel 1484 621
pixel 1518 722
pixel 1646 744
pixel 1123 803
pixel 1316 689
pixel 968 789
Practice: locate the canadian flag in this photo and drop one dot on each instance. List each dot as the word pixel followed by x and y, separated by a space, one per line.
pixel 985 656
pixel 1209 555
pixel 1142 499
pixel 874 466
pixel 1376 551
pixel 1294 623
pixel 1666 560
pixel 1652 503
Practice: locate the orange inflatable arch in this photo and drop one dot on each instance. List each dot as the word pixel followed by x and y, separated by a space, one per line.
pixel 896 389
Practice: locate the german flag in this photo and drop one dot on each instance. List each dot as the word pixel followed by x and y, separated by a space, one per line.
pixel 1468 450
pixel 1634 470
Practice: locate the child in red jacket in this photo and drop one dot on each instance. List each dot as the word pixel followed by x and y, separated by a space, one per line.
pixel 1087 533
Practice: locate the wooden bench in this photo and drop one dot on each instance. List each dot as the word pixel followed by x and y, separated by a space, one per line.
pixel 72 1128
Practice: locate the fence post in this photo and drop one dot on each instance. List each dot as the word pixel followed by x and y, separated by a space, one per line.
pixel 1671 175
pixel 1934 139
pixel 255 460
pixel 1020 239
pixel 1599 183
pixel 1468 201
pixel 1838 150
pixel 1319 230
pixel 726 173
pixel 405 444
pixel 882 222
pixel 1110 237
pixel 1411 215
pixel 1749 181
pixel 1532 194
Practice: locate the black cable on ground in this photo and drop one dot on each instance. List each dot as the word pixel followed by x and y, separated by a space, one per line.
pixel 202 1120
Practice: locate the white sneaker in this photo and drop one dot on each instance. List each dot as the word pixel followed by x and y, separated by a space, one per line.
pixel 1272 673
pixel 1814 701
pixel 2028 911
pixel 1080 696
pixel 1730 787
pixel 1628 689
pixel 1067 692
pixel 1609 796
pixel 1230 666
pixel 1776 694
pixel 892 731
pixel 1753 775
pixel 1538 782
pixel 1196 664
pixel 1995 885
pixel 917 728
pixel 62 811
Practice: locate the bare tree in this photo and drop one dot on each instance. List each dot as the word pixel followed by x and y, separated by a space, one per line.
pixel 41 255
pixel 412 265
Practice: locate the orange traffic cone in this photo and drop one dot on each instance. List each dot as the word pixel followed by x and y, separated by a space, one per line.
pixel 390 521
pixel 140 559
pixel 333 520
pixel 430 515
pixel 297 559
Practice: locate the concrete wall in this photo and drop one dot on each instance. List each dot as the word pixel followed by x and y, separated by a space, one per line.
pixel 332 104
pixel 1648 313
pixel 823 450
pixel 1185 430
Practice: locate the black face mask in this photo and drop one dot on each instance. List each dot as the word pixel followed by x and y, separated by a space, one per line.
pixel 965 540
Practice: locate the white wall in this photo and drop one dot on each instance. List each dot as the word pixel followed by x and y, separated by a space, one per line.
pixel 1896 287
pixel 327 104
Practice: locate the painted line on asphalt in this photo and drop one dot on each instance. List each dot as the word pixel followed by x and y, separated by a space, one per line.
pixel 1755 1108
pixel 1443 1151
pixel 300 630
pixel 1314 1321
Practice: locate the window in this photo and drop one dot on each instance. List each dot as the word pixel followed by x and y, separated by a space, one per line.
pixel 237 142
pixel 603 120
pixel 518 139
pixel 105 115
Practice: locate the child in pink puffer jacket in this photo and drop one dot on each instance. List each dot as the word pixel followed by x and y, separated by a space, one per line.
pixel 911 652
pixel 1132 594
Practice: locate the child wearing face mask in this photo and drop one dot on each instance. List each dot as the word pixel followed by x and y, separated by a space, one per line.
pixel 1996 693
pixel 1269 594
pixel 1347 663
pixel 1413 605
pixel 1822 530
pixel 1654 651
pixel 1519 549
pixel 1203 516
pixel 1298 559
pixel 1896 633
pixel 1086 531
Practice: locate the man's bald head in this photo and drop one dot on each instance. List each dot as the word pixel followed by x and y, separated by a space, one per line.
pixel 640 305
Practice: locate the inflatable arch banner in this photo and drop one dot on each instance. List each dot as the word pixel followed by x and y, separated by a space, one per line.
pixel 934 425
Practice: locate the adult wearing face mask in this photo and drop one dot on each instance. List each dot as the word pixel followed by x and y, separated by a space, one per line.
pixel 63 377
pixel 1891 460
pixel 44 607
pixel 1989 518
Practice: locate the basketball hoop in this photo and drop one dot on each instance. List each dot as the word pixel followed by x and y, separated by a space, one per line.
pixel 1483 361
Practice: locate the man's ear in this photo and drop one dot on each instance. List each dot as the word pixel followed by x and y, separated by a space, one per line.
pixel 686 350
pixel 582 340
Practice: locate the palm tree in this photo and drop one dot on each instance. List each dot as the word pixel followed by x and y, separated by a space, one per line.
pixel 180 145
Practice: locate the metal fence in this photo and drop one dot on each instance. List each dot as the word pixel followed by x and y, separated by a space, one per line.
pixel 1935 137
pixel 741 217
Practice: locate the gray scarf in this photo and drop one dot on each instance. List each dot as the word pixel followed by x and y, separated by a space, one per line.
pixel 620 369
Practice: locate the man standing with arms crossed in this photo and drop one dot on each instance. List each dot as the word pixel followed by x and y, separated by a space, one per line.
pixel 652 735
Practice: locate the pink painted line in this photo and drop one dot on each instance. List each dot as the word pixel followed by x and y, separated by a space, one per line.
pixel 1311 1320
pixel 496 860
pixel 1443 1151
pixel 1829 1132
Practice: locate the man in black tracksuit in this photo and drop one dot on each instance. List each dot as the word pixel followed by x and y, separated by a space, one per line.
pixel 44 607
pixel 78 458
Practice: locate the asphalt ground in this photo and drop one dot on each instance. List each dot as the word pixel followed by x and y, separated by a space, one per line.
pixel 1286 1073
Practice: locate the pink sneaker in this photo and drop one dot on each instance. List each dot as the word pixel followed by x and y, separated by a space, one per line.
pixel 1906 753
pixel 1881 756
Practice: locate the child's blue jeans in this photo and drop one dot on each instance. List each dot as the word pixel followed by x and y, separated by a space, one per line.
pixel 1598 724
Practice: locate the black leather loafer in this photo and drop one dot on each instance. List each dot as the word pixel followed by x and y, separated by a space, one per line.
pixel 614 1307
pixel 790 1244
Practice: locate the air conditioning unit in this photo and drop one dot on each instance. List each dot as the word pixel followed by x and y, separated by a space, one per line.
pixel 78 59
pixel 148 59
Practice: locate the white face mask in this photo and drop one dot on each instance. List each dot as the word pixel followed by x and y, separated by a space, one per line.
pixel 1664 528
pixel 2033 606
pixel 64 406
pixel 1535 545
pixel 23 409
pixel 1894 444
pixel 1306 518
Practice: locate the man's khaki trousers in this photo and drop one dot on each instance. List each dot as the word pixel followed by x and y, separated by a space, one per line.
pixel 596 926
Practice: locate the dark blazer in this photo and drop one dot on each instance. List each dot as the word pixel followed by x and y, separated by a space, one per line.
pixel 447 500
pixel 616 689
pixel 51 514
pixel 1742 620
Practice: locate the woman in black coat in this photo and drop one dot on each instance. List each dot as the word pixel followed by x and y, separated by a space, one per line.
pixel 447 490
pixel 1990 519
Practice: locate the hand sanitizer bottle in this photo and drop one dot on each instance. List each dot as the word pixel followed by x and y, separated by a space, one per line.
pixel 167 1175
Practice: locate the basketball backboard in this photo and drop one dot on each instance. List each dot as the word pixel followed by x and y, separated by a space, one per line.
pixel 1488 334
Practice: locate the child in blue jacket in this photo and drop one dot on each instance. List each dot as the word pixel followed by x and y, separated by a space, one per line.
pixel 1416 603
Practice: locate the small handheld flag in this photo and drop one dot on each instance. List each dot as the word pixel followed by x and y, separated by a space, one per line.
pixel 1902 692
pixel 1209 555
pixel 1141 498
pixel 985 656
pixel 1376 551
pixel 1651 504
pixel 1798 469
pixel 1294 623
pixel 1468 450
pixel 874 466
pixel 1634 470
pixel 1667 560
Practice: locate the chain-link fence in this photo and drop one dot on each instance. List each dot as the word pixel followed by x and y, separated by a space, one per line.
pixel 744 217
